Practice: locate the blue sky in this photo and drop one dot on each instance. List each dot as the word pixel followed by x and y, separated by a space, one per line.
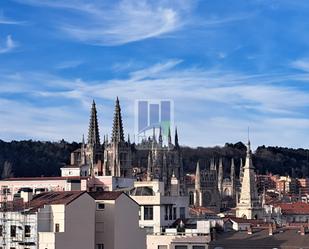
pixel 226 64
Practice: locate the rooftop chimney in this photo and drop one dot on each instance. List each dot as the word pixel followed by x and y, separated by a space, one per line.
pixel 302 230
pixel 270 230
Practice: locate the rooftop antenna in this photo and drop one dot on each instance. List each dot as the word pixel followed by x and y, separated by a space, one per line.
pixel 248 133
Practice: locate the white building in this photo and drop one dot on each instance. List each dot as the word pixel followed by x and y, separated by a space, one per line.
pixel 187 239
pixel 49 221
pixel 117 222
pixel 158 211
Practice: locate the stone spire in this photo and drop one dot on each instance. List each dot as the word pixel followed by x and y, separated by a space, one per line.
pixel 160 137
pixel 169 137
pixel 149 167
pixel 198 177
pixel 176 138
pixel 232 177
pixel 241 171
pixel 93 132
pixel 220 176
pixel 212 164
pixel 249 204
pixel 154 139
pixel 118 134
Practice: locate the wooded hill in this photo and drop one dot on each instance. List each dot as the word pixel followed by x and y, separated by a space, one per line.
pixel 35 158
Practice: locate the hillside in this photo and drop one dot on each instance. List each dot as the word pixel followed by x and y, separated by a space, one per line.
pixel 35 158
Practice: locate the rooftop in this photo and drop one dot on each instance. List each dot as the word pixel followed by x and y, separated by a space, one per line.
pixel 286 239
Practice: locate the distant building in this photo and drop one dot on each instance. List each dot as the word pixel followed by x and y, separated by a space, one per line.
pixel 158 210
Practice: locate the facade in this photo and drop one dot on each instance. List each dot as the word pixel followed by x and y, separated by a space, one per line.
pixel 117 222
pixel 164 160
pixel 172 238
pixel 112 158
pixel 249 205
pixel 49 221
pixel 157 210
pixel 206 192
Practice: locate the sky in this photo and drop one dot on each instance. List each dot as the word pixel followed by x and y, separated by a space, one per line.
pixel 227 65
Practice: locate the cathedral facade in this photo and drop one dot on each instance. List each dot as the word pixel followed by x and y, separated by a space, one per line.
pixel 115 156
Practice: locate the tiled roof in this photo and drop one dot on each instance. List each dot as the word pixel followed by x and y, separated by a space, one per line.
pixel 46 198
pixel 106 195
pixel 294 208
pixel 201 210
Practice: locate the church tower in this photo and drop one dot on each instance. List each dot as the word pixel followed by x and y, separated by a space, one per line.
pixel 118 153
pixel 249 205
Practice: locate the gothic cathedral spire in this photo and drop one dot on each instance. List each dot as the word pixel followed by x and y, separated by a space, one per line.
pixel 118 134
pixel 176 138
pixel 93 132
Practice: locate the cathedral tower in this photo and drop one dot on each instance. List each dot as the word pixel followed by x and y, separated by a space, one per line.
pixel 118 153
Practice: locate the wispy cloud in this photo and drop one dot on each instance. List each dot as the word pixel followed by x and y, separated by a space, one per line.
pixel 69 64
pixel 8 21
pixel 301 64
pixel 239 100
pixel 7 45
pixel 122 22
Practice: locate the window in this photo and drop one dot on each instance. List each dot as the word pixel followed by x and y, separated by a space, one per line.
pixel 166 212
pixel 100 206
pixel 27 231
pixel 148 212
pixel 182 213
pixel 181 247
pixel 198 247
pixel 57 227
pixel 1 231
pixel 170 217
pixel 162 247
pixel 174 213
pixel 13 231
pixel 100 246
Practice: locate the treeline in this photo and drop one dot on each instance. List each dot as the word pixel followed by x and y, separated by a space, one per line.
pixel 35 158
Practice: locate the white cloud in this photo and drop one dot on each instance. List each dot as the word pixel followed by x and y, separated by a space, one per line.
pixel 7 21
pixel 211 106
pixel 302 64
pixel 8 45
pixel 121 22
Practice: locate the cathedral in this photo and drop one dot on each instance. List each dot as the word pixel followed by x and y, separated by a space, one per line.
pixel 112 158
pixel 115 156
pixel 164 160
pixel 211 188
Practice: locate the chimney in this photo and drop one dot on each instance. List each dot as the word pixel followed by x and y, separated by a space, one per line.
pixel 270 230
pixel 26 194
pixel 302 230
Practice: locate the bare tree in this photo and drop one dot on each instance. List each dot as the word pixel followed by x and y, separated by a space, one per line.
pixel 7 171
